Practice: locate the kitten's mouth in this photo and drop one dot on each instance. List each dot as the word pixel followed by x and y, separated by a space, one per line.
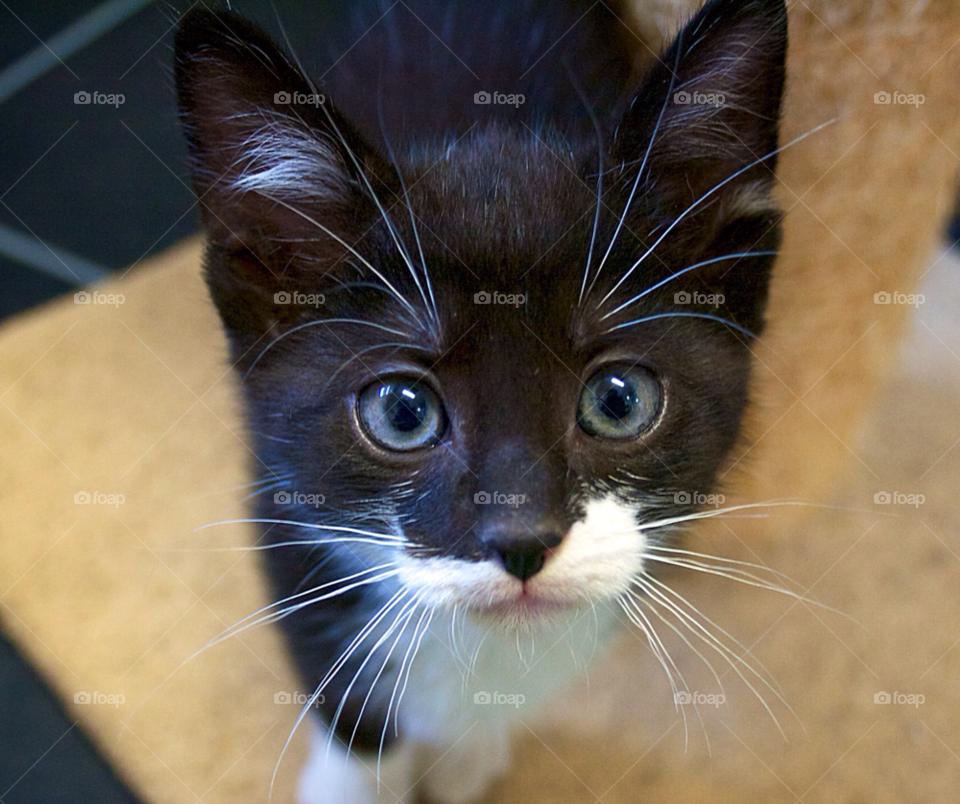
pixel 525 607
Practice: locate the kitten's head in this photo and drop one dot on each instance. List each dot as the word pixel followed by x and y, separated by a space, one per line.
pixel 514 350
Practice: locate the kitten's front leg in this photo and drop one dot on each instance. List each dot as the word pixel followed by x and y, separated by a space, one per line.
pixel 332 777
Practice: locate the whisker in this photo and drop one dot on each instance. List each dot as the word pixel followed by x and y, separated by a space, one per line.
pixel 308 525
pixel 314 323
pixel 686 270
pixel 391 228
pixel 703 198
pixel 710 640
pixel 397 295
pixel 637 617
pixel 707 316
pixel 640 170
pixel 343 659
pixel 410 608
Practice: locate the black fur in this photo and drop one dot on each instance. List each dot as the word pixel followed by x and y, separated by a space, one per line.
pixel 505 200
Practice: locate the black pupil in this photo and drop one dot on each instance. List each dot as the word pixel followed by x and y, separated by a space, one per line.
pixel 616 401
pixel 406 409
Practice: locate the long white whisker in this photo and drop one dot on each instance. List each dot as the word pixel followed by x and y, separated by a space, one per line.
pixel 682 601
pixel 397 295
pixel 638 618
pixel 709 639
pixel 280 614
pixel 344 657
pixel 706 316
pixel 703 198
pixel 391 228
pixel 308 525
pixel 405 614
pixel 396 687
pixel 683 271
pixel 314 323
pixel 413 223
pixel 640 170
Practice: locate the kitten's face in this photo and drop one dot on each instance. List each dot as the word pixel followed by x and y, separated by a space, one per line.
pixel 527 355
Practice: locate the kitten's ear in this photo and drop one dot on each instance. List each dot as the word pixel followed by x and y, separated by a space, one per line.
pixel 261 138
pixel 274 166
pixel 703 134
pixel 711 105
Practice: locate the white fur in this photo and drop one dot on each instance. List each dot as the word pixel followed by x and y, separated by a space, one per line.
pixel 284 162
pixel 504 640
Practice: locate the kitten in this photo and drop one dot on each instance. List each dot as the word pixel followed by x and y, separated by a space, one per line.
pixel 491 299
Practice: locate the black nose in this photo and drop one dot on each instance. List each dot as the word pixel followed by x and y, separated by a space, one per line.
pixel 525 558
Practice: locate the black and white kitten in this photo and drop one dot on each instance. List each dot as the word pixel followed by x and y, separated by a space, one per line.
pixel 491 299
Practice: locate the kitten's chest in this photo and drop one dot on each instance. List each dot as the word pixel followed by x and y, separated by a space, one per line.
pixel 467 676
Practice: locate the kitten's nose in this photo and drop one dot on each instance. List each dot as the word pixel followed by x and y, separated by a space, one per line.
pixel 524 558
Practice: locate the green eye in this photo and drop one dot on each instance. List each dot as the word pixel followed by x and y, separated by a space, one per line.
pixel 620 403
pixel 401 415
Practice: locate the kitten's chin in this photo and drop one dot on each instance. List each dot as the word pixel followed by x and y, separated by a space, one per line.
pixel 524 610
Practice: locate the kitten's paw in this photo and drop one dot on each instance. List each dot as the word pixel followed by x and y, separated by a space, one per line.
pixel 463 774
pixel 334 778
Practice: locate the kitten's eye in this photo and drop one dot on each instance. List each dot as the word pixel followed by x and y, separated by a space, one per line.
pixel 619 404
pixel 401 415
